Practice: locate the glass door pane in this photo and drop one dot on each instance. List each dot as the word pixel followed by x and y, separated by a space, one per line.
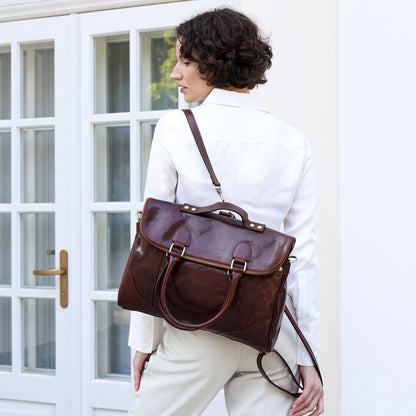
pixel 38 327
pixel 6 336
pixel 38 80
pixel 38 165
pixel 5 167
pixel 112 74
pixel 147 130
pixel 112 242
pixel 38 248
pixel 112 163
pixel 158 91
pixel 5 83
pixel 112 246
pixel 5 250
pixel 113 356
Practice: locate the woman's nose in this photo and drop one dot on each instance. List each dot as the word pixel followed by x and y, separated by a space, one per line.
pixel 175 74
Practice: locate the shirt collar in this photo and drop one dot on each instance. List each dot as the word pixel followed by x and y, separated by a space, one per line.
pixel 250 100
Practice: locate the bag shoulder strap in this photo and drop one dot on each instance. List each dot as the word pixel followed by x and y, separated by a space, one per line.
pixel 202 150
pixel 293 377
pixel 304 341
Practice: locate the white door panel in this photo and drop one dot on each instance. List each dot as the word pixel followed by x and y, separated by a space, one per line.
pixel 18 408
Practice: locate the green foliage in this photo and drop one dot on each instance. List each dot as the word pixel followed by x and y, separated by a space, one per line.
pixel 164 90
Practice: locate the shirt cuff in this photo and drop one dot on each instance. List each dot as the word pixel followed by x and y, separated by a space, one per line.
pixel 145 332
pixel 311 331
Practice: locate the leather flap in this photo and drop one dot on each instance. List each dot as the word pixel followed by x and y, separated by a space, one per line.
pixel 214 237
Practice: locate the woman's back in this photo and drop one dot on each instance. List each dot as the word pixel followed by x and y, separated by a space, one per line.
pixel 257 158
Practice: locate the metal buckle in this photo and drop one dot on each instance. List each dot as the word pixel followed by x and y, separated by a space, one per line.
pixel 292 259
pixel 244 268
pixel 171 248
pixel 219 191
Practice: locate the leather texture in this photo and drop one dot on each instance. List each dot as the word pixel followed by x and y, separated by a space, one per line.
pixel 179 268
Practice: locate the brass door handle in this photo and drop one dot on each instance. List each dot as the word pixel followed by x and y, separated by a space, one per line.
pixel 48 272
pixel 63 272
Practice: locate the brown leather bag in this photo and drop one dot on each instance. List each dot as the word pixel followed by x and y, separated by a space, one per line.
pixel 200 269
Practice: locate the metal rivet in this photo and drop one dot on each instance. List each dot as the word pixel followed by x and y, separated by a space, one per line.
pixel 259 227
pixel 193 209
pixel 280 269
pixel 186 207
pixel 252 225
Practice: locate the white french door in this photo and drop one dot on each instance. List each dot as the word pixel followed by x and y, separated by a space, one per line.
pixel 79 99
pixel 36 320
pixel 128 55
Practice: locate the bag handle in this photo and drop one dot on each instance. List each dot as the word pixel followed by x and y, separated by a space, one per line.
pixel 174 256
pixel 247 223
pixel 201 147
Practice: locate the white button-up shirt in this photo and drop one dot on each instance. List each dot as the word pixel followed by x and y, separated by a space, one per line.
pixel 265 166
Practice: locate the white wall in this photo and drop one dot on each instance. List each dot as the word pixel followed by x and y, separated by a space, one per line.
pixel 378 206
pixel 303 90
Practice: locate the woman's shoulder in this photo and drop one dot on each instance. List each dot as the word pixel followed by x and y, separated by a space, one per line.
pixel 172 116
pixel 172 128
pixel 287 134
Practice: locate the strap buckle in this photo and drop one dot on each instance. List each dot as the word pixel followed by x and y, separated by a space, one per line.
pixel 219 192
pixel 171 248
pixel 244 267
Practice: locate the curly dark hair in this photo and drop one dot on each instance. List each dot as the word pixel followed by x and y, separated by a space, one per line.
pixel 228 48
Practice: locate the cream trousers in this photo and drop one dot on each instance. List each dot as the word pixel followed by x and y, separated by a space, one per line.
pixel 189 368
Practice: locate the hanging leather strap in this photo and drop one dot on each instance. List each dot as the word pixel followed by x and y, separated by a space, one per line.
pixel 202 150
pixel 308 348
pixel 201 147
pixel 304 341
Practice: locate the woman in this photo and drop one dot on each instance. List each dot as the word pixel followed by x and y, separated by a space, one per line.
pixel 265 166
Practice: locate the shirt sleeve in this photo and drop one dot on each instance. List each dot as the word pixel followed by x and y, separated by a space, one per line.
pixel 303 279
pixel 146 330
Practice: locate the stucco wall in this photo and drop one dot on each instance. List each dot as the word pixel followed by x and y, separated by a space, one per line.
pixel 378 206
